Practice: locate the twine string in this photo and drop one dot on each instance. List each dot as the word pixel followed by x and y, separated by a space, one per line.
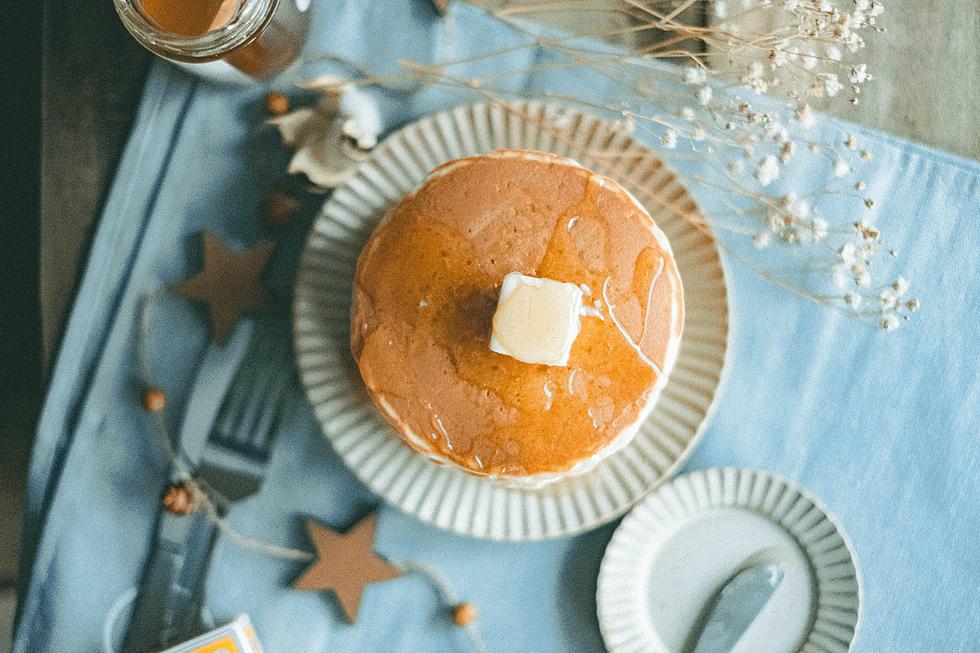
pixel 214 505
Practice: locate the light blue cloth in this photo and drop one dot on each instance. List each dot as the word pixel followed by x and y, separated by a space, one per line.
pixel 884 428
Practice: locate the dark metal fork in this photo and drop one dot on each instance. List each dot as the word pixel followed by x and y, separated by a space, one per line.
pixel 231 461
pixel 237 452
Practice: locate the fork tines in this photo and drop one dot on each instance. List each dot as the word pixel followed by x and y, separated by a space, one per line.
pixel 249 415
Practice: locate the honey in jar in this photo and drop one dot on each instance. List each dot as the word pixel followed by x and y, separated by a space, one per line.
pixel 258 37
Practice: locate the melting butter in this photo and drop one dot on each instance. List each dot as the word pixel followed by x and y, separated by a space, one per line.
pixel 537 319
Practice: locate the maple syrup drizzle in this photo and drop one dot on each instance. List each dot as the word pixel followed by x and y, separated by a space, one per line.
pixel 505 416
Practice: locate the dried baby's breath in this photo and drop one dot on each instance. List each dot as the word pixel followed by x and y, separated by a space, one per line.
pixel 734 100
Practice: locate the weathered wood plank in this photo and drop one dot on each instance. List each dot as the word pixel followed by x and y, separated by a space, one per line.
pixel 93 75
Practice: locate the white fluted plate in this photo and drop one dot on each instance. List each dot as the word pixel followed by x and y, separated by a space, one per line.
pixel 679 545
pixel 443 495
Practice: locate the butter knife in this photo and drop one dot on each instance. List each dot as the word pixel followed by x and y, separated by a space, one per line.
pixel 169 584
pixel 733 609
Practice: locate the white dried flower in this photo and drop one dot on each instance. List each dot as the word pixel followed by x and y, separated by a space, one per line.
pixel 754 77
pixel 332 138
pixel 787 151
pixel 833 52
pixel 800 208
pixel 748 141
pixel 774 219
pixel 876 9
pixel 669 139
pixel 859 74
pixel 848 253
pixel 695 75
pixel 887 298
pixel 768 170
pixel 704 95
pixel 761 239
pixel 806 116
pixel 840 276
pixel 853 300
pixel 687 113
pixel 841 168
pixel 819 229
pixel 900 286
pixel 831 84
pixel 861 276
pixel 890 322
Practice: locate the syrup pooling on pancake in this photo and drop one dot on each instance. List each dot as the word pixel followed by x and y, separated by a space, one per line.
pixel 427 289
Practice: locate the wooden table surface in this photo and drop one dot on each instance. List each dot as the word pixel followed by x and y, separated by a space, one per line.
pixel 93 78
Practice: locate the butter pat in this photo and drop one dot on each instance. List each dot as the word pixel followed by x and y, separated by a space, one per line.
pixel 536 320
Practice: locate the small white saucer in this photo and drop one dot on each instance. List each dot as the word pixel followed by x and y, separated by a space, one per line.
pixel 680 544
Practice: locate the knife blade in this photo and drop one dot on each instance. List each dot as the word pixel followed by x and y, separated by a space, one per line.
pixel 734 607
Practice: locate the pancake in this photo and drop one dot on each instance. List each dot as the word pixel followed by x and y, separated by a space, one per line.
pixel 425 293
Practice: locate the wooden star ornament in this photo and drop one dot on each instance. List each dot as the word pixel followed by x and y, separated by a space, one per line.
pixel 346 563
pixel 230 283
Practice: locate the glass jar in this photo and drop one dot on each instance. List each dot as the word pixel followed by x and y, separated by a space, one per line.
pixel 258 37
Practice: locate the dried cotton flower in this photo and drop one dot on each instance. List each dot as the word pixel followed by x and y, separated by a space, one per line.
pixel 332 137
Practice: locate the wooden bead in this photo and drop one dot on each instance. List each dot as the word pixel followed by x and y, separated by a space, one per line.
pixel 276 104
pixel 278 209
pixel 464 614
pixel 179 499
pixel 154 400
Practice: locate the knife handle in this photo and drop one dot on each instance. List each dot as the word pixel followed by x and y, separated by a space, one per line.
pixel 170 597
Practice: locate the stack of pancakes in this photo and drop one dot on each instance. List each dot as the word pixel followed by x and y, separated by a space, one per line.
pixel 426 290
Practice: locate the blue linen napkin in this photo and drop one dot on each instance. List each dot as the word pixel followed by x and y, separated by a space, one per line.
pixel 882 427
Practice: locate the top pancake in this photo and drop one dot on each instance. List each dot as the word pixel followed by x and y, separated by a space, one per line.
pixel 426 289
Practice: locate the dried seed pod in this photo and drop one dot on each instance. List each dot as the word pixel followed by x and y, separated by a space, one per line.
pixel 464 614
pixel 154 400
pixel 180 499
pixel 276 104
pixel 278 209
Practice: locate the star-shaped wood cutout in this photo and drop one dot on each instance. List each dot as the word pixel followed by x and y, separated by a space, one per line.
pixel 346 563
pixel 230 284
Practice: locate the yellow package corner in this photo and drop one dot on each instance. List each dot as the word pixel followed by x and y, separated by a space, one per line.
pixel 238 636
